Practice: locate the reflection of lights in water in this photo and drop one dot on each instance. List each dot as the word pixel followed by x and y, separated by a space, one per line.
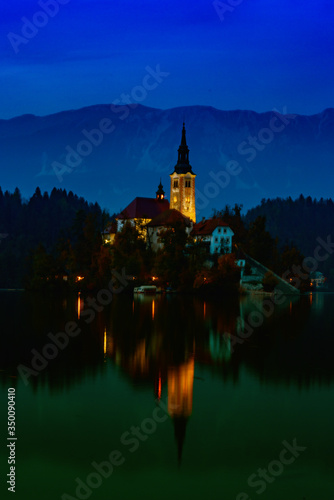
pixel 180 388
pixel 110 345
pixel 220 346
pixel 311 298
pixel 105 342
pixel 79 305
pixel 159 386
pixel 153 308
pixel 133 306
pixel 118 357
pixel 139 361
pixel 204 310
pixel 290 307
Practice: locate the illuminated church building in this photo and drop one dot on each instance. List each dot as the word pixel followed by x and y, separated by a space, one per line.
pixel 152 215
pixel 182 186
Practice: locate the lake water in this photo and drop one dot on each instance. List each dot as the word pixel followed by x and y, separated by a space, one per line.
pixel 169 397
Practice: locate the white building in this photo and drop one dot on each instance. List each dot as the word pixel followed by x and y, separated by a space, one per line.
pixel 215 234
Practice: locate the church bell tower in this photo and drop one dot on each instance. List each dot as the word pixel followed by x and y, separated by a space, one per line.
pixel 182 187
pixel 160 193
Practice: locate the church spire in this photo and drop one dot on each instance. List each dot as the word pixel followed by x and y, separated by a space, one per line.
pixel 183 165
pixel 183 139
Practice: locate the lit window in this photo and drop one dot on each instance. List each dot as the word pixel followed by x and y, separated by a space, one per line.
pixel 188 199
pixel 188 183
pixel 176 183
pixel 175 199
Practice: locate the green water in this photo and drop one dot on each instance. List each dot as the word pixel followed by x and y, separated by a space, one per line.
pixel 211 412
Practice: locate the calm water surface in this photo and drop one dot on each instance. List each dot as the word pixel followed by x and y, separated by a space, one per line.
pixel 192 413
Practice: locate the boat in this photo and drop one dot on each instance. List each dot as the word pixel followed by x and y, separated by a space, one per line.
pixel 145 289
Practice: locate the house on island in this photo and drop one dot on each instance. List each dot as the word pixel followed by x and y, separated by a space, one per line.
pixel 165 220
pixel 317 279
pixel 215 234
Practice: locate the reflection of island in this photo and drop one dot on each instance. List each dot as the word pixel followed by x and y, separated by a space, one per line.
pixel 157 358
pixel 148 337
pixel 180 399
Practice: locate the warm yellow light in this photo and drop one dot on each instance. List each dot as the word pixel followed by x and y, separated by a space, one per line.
pixel 79 305
pixel 79 278
pixel 153 309
pixel 175 199
pixel 105 341
pixel 180 389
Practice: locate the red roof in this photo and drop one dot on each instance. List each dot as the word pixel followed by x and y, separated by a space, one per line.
pixel 168 218
pixel 144 208
pixel 207 226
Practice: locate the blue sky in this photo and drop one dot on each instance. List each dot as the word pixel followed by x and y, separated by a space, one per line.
pixel 259 54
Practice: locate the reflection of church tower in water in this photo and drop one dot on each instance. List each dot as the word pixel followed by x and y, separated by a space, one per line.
pixel 180 399
pixel 182 187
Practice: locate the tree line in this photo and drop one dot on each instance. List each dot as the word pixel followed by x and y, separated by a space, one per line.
pixel 55 241
pixel 48 236
pixel 298 224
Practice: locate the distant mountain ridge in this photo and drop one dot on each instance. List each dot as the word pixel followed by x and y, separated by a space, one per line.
pixel 238 156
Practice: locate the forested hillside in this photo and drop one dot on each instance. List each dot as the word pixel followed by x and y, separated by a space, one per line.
pixel 42 230
pixel 300 222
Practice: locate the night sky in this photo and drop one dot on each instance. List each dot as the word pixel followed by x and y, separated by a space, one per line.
pixel 258 54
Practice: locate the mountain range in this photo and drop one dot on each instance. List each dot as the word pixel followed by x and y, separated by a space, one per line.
pixel 111 154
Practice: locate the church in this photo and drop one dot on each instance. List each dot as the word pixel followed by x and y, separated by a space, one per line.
pixel 152 215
